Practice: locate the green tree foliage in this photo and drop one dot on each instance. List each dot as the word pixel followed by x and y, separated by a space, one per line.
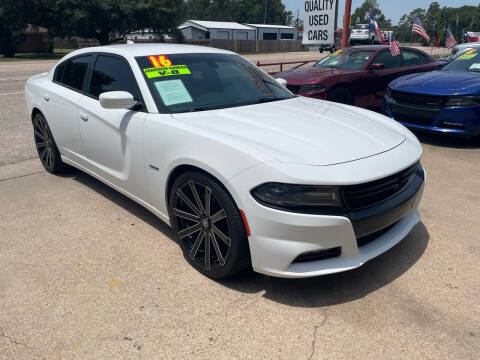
pixel 13 21
pixel 242 11
pixel 361 15
pixel 459 19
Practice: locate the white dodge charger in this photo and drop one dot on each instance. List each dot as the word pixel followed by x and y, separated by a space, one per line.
pixel 246 173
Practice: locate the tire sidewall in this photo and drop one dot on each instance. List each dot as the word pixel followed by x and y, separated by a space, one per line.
pixel 239 256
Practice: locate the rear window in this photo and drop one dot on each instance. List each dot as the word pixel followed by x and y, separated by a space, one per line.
pixel 75 71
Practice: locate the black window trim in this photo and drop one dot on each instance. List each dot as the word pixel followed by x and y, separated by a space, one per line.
pixel 88 76
pixel 64 63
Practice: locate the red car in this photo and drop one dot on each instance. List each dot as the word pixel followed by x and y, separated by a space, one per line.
pixel 357 75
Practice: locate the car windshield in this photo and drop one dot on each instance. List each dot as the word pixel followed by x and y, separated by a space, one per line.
pixel 346 59
pixel 198 82
pixel 468 61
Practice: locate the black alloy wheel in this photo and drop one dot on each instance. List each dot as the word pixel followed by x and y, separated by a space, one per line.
pixel 46 147
pixel 208 225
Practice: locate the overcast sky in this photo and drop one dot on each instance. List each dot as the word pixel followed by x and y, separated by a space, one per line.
pixel 393 9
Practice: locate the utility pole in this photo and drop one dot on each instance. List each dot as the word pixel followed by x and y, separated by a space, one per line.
pixel 346 22
pixel 265 13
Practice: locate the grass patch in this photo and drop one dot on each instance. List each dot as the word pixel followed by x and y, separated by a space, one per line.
pixel 57 54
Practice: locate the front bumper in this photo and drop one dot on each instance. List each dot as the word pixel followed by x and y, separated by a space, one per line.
pixel 280 237
pixel 450 120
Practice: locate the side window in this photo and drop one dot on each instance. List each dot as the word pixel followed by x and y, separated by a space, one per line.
pixel 59 72
pixel 74 72
pixel 388 61
pixel 411 58
pixel 112 74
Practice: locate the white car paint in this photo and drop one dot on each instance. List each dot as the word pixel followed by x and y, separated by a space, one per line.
pixel 297 141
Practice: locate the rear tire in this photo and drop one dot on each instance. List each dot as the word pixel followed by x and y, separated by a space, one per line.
pixel 341 95
pixel 208 225
pixel 46 147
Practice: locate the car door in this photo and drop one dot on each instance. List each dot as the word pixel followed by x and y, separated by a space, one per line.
pixel 381 77
pixel 112 140
pixel 60 103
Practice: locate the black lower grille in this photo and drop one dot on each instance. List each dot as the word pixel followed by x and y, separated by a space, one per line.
pixel 413 120
pixel 419 99
pixel 362 196
pixel 369 238
pixel 318 255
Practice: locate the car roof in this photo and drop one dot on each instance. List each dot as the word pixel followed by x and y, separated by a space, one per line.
pixel 380 47
pixel 134 50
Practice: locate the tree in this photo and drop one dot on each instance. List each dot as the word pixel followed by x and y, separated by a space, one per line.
pixel 361 15
pixel 242 11
pixel 13 22
pixel 162 16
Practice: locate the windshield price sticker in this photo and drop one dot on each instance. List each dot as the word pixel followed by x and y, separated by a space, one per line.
pixel 467 56
pixel 173 92
pixel 167 71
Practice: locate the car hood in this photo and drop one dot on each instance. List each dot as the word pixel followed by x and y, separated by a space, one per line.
pixel 310 75
pixel 439 83
pixel 300 130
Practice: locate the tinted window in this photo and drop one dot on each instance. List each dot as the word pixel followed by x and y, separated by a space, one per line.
pixel 388 61
pixel 59 72
pixel 112 74
pixel 411 58
pixel 75 70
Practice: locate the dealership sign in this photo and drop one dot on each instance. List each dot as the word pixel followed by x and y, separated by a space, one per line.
pixel 319 22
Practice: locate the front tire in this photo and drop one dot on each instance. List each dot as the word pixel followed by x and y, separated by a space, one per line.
pixel 341 95
pixel 46 147
pixel 208 225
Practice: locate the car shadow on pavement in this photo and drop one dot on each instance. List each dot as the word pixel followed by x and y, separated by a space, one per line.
pixel 447 141
pixel 312 292
pixel 338 288
pixel 120 200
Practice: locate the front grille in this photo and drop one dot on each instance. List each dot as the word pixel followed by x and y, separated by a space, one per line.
pixel 362 196
pixel 293 88
pixel 318 255
pixel 419 99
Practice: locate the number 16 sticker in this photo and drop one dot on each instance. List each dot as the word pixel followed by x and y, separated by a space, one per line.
pixel 160 61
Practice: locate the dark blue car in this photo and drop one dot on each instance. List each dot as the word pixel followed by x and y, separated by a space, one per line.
pixel 446 100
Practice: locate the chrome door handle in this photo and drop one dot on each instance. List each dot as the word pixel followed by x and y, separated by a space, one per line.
pixel 83 117
pixel 46 97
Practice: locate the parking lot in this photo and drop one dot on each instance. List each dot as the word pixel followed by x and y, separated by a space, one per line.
pixel 88 274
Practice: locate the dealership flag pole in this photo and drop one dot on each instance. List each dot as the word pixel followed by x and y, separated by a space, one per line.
pixel 346 23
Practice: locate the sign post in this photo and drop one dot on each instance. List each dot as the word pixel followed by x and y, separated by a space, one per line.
pixel 346 23
pixel 319 22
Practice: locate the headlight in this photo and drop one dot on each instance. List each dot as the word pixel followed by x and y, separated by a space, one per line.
pixel 463 100
pixel 297 196
pixel 310 88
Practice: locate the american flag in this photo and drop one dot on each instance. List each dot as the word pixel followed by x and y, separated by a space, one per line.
pixel 450 42
pixel 394 49
pixel 418 29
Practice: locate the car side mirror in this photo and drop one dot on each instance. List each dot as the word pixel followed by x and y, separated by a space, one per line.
pixel 116 100
pixel 377 66
pixel 282 82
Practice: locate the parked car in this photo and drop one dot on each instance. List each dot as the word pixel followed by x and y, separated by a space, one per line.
pixel 357 75
pixel 445 101
pixel 361 35
pixel 331 47
pixel 246 173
